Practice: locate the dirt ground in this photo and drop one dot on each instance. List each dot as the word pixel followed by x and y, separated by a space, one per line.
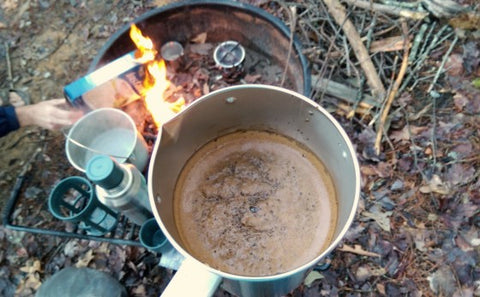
pixel 417 227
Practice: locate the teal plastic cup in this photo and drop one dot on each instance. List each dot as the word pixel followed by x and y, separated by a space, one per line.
pixel 152 237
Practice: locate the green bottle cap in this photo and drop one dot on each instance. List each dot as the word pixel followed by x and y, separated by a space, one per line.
pixel 104 171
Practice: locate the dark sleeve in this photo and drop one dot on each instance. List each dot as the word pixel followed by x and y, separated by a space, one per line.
pixel 8 120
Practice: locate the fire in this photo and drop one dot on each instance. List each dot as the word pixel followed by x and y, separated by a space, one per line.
pixel 156 82
pixel 146 51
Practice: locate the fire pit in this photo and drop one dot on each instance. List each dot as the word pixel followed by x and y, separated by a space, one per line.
pixel 265 38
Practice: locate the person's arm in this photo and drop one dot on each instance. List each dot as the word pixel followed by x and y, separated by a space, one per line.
pixel 8 120
pixel 51 114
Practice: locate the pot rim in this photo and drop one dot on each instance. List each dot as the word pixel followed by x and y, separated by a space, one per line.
pixel 331 246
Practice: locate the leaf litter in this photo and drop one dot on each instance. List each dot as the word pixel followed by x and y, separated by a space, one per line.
pixel 416 232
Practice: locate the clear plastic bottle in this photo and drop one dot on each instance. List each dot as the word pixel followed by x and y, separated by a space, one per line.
pixel 121 187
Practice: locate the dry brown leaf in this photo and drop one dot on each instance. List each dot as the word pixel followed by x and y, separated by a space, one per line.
pixel 139 291
pixel 435 185
pixel 363 272
pixel 460 101
pixel 203 49
pixel 200 38
pixel 206 89
pixel 454 65
pixel 381 218
pixel 406 133
pixel 31 282
pixel 84 260
pixel 161 2
pixel 381 289
pixel 367 170
pixel 30 268
pixel 466 21
pixel 252 78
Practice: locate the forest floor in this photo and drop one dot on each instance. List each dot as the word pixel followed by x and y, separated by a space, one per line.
pixel 416 232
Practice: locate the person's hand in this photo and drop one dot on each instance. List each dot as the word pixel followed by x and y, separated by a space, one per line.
pixel 52 114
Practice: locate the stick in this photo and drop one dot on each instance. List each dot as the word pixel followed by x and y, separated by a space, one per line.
pixel 445 58
pixel 425 54
pixel 357 249
pixel 417 41
pixel 406 13
pixel 9 66
pixel 338 12
pixel 394 90
pixel 341 91
pixel 293 24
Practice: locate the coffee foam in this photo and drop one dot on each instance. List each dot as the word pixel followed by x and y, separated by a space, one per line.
pixel 255 203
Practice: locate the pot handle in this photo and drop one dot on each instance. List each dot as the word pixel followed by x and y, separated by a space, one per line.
pixel 192 279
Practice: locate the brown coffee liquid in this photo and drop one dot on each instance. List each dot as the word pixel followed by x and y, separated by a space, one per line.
pixel 255 203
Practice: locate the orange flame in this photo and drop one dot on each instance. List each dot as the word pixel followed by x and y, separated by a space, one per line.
pixel 146 51
pixel 156 82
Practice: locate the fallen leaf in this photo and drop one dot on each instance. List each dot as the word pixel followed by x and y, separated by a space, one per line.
pixel 367 136
pixel 249 78
pixel 460 101
pixel 32 267
pixel 381 218
pixel 161 2
pixel 435 185
pixel 381 288
pixel 362 273
pixel 406 133
pixel 463 150
pixel 459 173
pixel 471 54
pixel 466 21
pixel 465 292
pixel 200 38
pixel 311 277
pixel 85 259
pixel 203 49
pixel 206 89
pixel 71 248
pixel 442 282
pixel 31 282
pixel 139 290
pixel 454 65
pixel 419 238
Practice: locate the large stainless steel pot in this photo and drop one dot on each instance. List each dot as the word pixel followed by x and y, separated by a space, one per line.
pixel 248 107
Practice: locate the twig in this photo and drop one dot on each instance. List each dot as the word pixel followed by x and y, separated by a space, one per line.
pixel 338 12
pixel 434 129
pixel 394 90
pixel 9 66
pixel 20 13
pixel 417 41
pixel 445 58
pixel 357 249
pixel 293 24
pixel 18 185
pixel 424 55
pixel 341 91
pixel 393 10
pixel 414 145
